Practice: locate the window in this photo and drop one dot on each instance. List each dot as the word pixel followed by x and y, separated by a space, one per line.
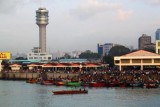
pixel 158 51
pixel 35 57
pixel 30 57
pixel 158 43
pixel 125 61
pixel 117 61
pixel 136 61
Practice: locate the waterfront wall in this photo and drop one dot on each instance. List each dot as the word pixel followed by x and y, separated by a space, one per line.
pixel 24 76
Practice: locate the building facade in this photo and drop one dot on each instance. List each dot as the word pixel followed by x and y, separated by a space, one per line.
pixel 104 49
pixel 157 34
pixel 144 40
pixel 158 46
pixel 100 50
pixel 138 58
pixel 36 54
pixel 157 38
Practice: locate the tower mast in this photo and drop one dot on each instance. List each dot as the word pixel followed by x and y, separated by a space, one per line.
pixel 42 22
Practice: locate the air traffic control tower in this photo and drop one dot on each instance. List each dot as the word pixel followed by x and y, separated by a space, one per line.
pixel 42 22
pixel 40 53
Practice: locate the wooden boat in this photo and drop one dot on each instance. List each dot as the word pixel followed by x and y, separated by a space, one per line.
pixel 123 85
pixel 136 84
pixel 47 82
pixel 32 80
pixel 84 84
pixel 75 84
pixel 70 92
pixel 151 85
pixel 97 84
pixel 60 83
pixel 114 83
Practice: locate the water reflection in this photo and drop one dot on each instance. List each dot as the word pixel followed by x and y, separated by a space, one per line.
pixel 21 94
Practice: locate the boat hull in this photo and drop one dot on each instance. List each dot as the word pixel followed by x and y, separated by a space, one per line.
pixel 70 92
pixel 60 83
pixel 153 85
pixel 75 84
pixel 32 81
pixel 47 82
pixel 97 84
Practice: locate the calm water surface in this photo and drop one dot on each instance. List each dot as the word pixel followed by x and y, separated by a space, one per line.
pixel 21 94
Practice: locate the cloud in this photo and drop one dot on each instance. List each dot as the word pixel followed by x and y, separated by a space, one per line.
pixel 155 1
pixel 152 2
pixel 10 5
pixel 124 15
pixel 93 7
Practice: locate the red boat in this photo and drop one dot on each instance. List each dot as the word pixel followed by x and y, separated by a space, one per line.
pixel 47 82
pixel 32 80
pixel 114 83
pixel 70 92
pixel 150 85
pixel 97 84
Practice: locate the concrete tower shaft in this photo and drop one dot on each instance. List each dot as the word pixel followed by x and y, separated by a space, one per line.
pixel 42 22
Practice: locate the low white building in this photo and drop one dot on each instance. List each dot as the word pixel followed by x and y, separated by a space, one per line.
pixel 36 54
pixel 15 67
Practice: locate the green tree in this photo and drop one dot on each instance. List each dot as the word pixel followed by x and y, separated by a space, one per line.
pixel 67 56
pixel 88 55
pixel 6 64
pixel 108 60
pixel 20 58
pixel 118 50
pixel 150 49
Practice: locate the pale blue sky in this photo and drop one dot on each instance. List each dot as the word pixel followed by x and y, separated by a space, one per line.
pixel 77 24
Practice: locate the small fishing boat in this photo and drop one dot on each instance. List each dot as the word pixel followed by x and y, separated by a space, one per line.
pixel 97 84
pixel 59 83
pixel 151 85
pixel 84 84
pixel 136 84
pixel 70 92
pixel 32 81
pixel 123 85
pixel 75 84
pixel 47 82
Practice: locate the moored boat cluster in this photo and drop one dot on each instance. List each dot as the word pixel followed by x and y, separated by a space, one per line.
pixel 133 78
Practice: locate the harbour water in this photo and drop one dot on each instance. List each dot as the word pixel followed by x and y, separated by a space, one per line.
pixel 22 94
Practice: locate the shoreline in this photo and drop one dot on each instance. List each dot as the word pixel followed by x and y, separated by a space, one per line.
pixel 29 75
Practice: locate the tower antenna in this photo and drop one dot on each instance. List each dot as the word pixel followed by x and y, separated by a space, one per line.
pixel 40 3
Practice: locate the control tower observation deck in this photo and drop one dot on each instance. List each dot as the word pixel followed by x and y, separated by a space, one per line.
pixel 42 22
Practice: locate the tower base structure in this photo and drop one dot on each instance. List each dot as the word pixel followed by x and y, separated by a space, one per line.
pixel 36 54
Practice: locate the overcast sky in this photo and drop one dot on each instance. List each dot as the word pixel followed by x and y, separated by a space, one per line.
pixel 77 24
